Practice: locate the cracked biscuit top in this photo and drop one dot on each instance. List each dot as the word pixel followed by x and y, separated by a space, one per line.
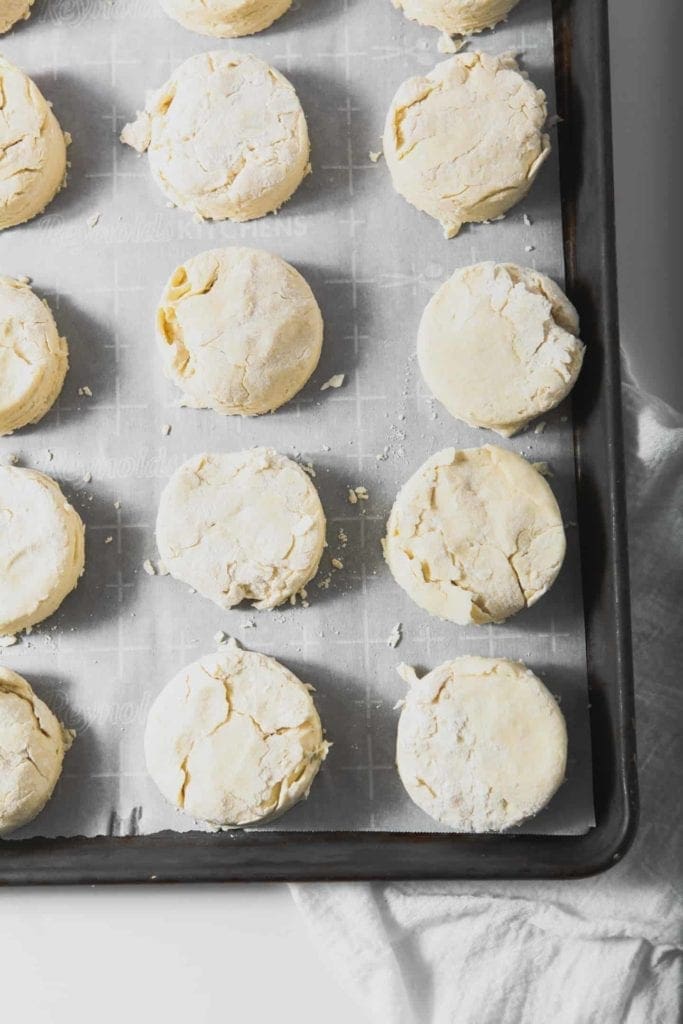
pixel 240 331
pixel 32 148
pixel 33 357
pixel 12 11
pixel 456 17
pixel 226 137
pixel 42 548
pixel 234 739
pixel 475 535
pixel 241 526
pixel 465 142
pixel 498 345
pixel 32 747
pixel 482 744
pixel 226 19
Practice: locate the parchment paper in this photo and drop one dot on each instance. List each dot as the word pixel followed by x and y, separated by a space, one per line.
pixel 373 262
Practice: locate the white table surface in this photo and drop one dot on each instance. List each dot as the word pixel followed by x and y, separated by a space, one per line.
pixel 182 954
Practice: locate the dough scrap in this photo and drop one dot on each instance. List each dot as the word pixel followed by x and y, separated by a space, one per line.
pixel 456 17
pixel 226 19
pixel 465 142
pixel 32 148
pixel 42 548
pixel 239 330
pixel 498 345
pixel 475 535
pixel 482 744
pixel 234 739
pixel 241 526
pixel 13 11
pixel 32 748
pixel 33 357
pixel 226 137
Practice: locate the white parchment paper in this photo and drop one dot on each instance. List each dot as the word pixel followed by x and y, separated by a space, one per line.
pixel 373 262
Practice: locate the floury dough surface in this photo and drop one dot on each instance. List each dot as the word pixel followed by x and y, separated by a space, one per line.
pixel 226 137
pixel 32 148
pixel 32 748
pixel 241 526
pixel 456 17
pixel 12 11
pixel 498 345
pixel 482 744
pixel 465 142
pixel 475 535
pixel 42 548
pixel 33 357
pixel 234 739
pixel 226 19
pixel 239 330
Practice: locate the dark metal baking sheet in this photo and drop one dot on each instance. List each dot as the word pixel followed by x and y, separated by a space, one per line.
pixel 585 154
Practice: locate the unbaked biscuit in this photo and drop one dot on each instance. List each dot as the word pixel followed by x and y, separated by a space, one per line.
pixel 482 744
pixel 239 330
pixel 12 11
pixel 33 357
pixel 241 526
pixel 226 137
pixel 32 748
pixel 465 142
pixel 42 548
pixel 234 739
pixel 498 345
pixel 32 149
pixel 475 535
pixel 226 19
pixel 456 17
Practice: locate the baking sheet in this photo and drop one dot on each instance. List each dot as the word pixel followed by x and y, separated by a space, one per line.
pixel 373 262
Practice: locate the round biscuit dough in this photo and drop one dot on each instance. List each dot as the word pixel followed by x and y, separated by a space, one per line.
pixel 33 357
pixel 498 346
pixel 226 19
pixel 482 744
pixel 240 331
pixel 465 142
pixel 12 11
pixel 234 739
pixel 475 535
pixel 42 548
pixel 32 149
pixel 241 526
pixel 32 748
pixel 456 17
pixel 226 137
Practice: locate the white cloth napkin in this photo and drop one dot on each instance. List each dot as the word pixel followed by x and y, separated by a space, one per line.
pixel 604 950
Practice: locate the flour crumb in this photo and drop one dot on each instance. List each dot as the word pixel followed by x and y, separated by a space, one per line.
pixel 117 504
pixel 249 624
pixel 395 637
pixel 527 220
pixel 85 391
pixel 343 538
pixel 529 248
pixel 93 220
pixel 337 563
pixel 308 468
pixel 8 641
pixel 87 478
pixel 361 493
pixel 108 540
pixel 352 497
pixel 540 427
pixel 374 156
pixel 148 567
pixel 446 43
pixel 220 637
pixel 166 429
pixel 334 382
